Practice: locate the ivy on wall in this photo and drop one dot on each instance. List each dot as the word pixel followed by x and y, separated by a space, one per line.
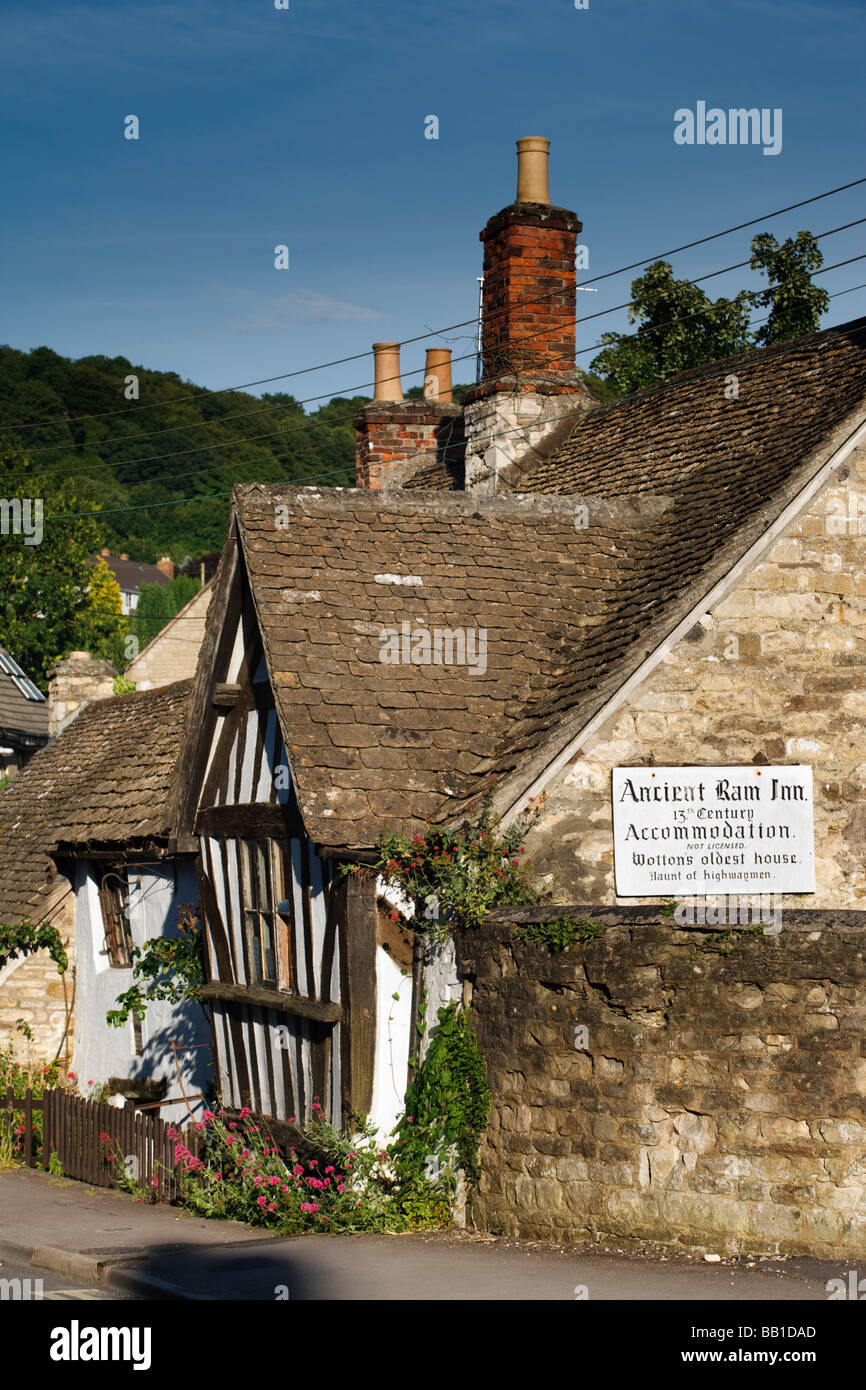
pixel 447 1101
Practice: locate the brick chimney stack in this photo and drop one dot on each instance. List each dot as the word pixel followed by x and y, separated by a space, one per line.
pixel 167 566
pixel 393 435
pixel 529 379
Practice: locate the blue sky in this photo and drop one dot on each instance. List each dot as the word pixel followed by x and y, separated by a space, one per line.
pixel 306 127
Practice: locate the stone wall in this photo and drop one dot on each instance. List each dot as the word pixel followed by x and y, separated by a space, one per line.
pixel 716 1100
pixel 776 673
pixel 32 990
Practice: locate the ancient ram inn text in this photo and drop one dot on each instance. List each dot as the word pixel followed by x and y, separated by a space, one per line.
pixel 701 830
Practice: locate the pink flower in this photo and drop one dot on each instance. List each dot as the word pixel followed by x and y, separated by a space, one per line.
pixel 274 1182
pixel 309 1206
pixel 272 1206
pixel 314 1163
pixel 208 1115
pixel 284 1188
pixel 230 1139
pixel 298 1169
pixel 245 1153
pixel 330 1169
pixel 232 1125
pixel 245 1111
pixel 260 1201
pixel 341 1187
pixel 291 1119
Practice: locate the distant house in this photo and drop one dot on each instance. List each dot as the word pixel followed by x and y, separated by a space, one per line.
pixel 173 654
pixel 131 574
pixel 23 716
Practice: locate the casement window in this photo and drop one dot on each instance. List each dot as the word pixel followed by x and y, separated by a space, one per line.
pixel 264 930
pixel 114 903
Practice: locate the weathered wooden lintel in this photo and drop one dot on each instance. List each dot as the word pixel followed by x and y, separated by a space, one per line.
pixel 265 998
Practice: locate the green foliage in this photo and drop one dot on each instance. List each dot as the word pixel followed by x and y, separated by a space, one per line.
pixel 679 326
pixel 559 934
pixel 121 686
pixel 95 458
pixel 172 967
pixel 455 876
pixel 795 304
pixel 47 606
pixel 158 604
pixel 100 627
pixel 26 937
pixel 447 1102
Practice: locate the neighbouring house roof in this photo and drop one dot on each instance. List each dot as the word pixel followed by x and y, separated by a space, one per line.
pixel 131 574
pixel 23 708
pixel 104 780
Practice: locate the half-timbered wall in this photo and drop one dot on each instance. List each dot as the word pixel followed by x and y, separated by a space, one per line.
pixel 273 946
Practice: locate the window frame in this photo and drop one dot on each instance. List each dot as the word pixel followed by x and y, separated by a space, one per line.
pixel 114 906
pixel 263 877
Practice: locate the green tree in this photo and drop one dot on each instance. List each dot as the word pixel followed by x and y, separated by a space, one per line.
pixel 45 595
pixel 158 604
pixel 795 304
pixel 100 627
pixel 678 327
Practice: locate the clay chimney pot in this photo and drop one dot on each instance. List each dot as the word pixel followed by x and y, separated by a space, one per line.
pixel 532 178
pixel 386 357
pixel 437 375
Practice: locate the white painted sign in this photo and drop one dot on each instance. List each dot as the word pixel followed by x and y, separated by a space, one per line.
pixel 700 830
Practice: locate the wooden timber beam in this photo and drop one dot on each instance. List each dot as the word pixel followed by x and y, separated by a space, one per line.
pixel 266 998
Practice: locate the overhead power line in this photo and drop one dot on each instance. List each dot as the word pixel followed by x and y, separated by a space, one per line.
pixel 319 478
pixel 313 424
pixel 360 386
pixel 438 332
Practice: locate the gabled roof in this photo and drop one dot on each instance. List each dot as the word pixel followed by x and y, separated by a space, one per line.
pixel 23 709
pixel 104 780
pixel 678 483
pixel 371 741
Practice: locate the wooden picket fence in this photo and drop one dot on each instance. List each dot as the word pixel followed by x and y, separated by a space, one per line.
pixel 98 1143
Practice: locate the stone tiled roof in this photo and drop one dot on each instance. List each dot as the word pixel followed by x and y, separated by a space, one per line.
pixel 370 740
pixel 678 482
pixel 104 780
pixel 23 722
pixel 684 436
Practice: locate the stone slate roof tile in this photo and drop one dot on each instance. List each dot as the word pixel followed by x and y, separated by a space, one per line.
pixel 104 780
pixel 678 481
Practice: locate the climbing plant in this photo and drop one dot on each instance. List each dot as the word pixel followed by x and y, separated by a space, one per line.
pixel 166 968
pixel 454 876
pixel 27 937
pixel 447 1101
